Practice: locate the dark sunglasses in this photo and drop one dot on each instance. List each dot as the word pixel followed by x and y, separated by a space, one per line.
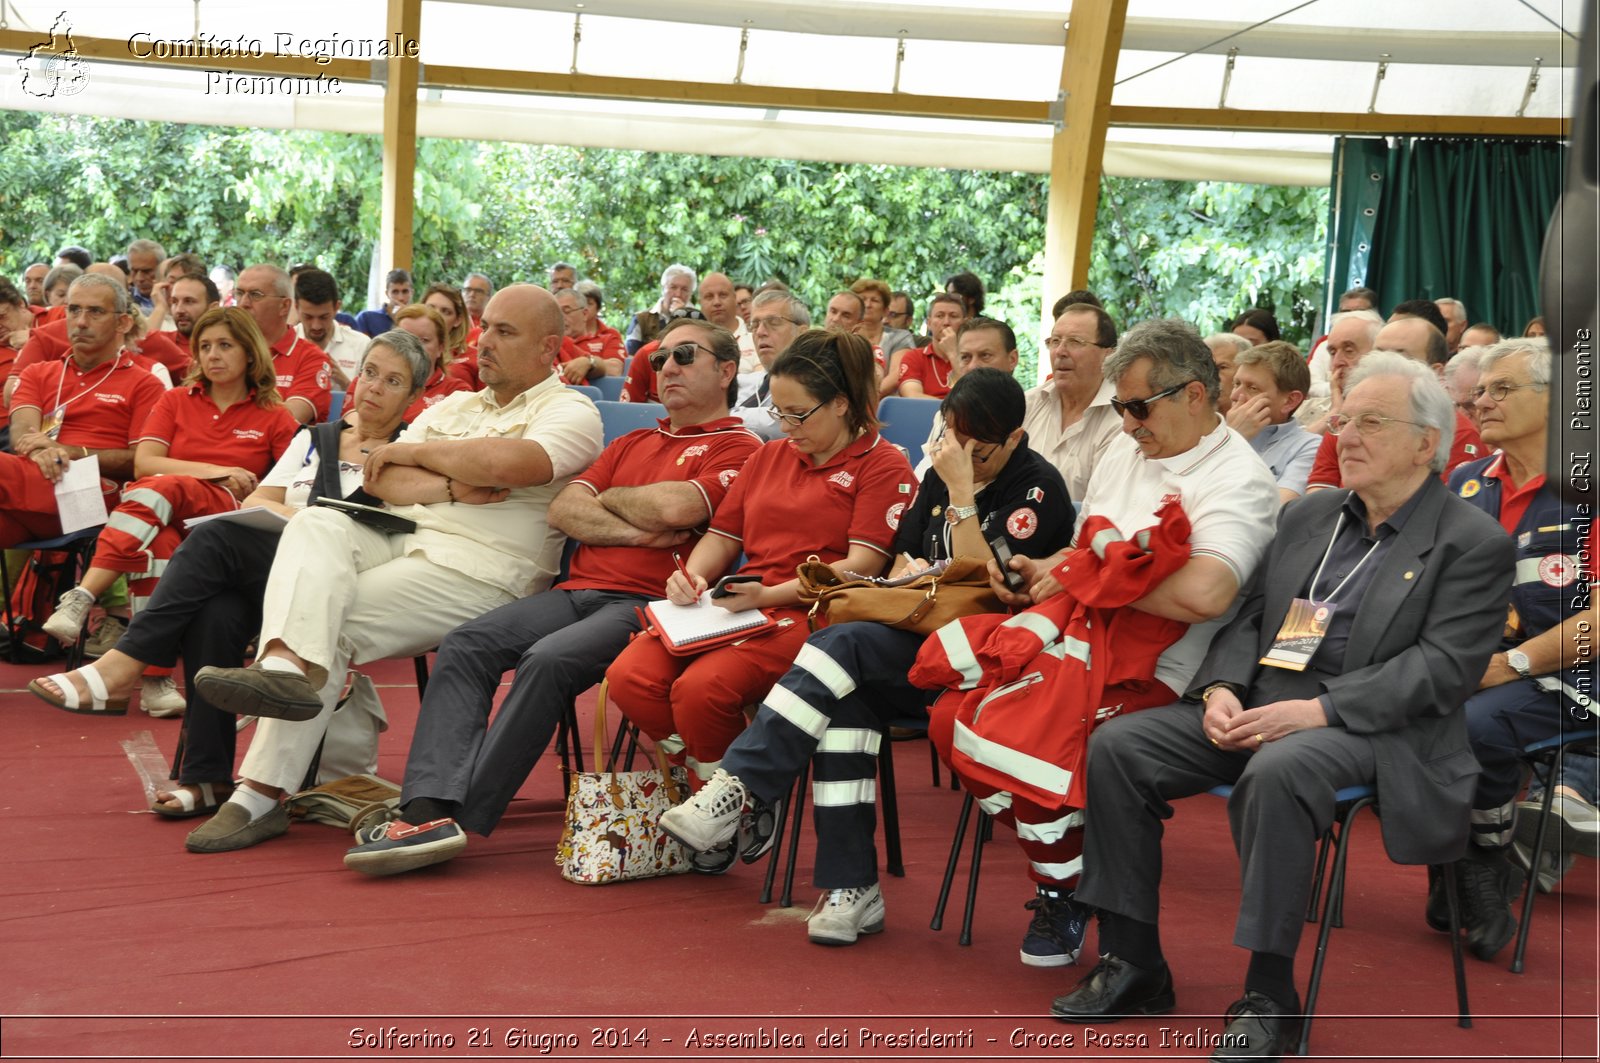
pixel 683 354
pixel 1139 409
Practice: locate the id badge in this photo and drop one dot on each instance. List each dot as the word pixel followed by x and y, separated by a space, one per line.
pixel 51 425
pixel 1303 630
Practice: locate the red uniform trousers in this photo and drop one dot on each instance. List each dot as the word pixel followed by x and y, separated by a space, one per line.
pixel 1051 838
pixel 28 501
pixel 144 530
pixel 702 698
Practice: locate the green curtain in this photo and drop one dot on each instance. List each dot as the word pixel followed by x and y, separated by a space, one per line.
pixel 1428 217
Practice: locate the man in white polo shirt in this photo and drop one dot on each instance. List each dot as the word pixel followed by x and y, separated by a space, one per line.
pixel 476 473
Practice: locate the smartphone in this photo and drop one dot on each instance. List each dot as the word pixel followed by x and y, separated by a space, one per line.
pixel 720 590
pixel 1002 556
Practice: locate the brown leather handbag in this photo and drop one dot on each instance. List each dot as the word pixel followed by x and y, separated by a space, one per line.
pixel 922 606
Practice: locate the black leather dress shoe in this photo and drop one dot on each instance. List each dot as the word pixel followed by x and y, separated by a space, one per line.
pixel 1259 1028
pixel 1114 989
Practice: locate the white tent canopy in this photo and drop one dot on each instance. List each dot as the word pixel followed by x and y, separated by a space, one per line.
pixel 1301 62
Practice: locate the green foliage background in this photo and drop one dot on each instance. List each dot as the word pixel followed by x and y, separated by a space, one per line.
pixel 1201 251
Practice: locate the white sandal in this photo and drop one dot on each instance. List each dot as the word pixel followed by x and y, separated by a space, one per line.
pixel 101 703
pixel 188 807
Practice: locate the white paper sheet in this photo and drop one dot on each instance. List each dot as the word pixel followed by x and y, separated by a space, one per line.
pixel 78 496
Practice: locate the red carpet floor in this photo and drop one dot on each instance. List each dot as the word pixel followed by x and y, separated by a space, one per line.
pixel 115 943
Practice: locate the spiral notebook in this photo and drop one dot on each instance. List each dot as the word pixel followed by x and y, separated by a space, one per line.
pixel 691 628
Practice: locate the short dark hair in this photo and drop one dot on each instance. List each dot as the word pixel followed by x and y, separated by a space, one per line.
pixel 1105 330
pixel 1426 309
pixel 985 404
pixel 78 256
pixel 213 294
pixel 316 286
pixel 970 288
pixel 946 297
pixel 396 276
pixel 831 364
pixel 1074 298
pixel 980 324
pixel 10 296
pixel 724 348
pixel 1260 320
pixel 1367 294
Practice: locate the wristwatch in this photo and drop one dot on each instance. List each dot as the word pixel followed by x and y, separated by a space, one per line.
pixel 1519 663
pixel 956 514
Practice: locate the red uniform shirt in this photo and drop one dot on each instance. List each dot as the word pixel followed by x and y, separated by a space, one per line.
pixel 106 406
pixel 709 456
pixel 302 369
pixel 438 387
pixel 1467 446
pixel 244 435
pixel 162 347
pixel 7 357
pixel 641 384
pixel 783 508
pixel 464 367
pixel 570 351
pixel 927 369
pixel 605 343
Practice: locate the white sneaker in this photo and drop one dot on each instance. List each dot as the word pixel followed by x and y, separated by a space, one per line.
pixel 843 915
pixel 66 622
pixel 160 697
pixel 710 819
pixel 106 636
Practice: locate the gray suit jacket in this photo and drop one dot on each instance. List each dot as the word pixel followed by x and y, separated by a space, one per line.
pixel 1419 643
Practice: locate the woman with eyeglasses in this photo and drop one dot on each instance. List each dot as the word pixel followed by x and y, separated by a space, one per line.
pixel 849 682
pixel 832 488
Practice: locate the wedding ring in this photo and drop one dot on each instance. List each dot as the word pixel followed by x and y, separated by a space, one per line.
pixel 1260 741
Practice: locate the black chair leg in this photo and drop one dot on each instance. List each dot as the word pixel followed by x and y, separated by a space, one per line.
pixel 1332 903
pixel 777 847
pixel 420 661
pixel 891 809
pixel 950 865
pixel 1453 902
pixel 786 900
pixel 985 826
pixel 1526 920
pixel 1316 879
pixel 933 763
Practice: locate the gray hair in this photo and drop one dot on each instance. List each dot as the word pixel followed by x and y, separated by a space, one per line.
pixel 407 347
pixel 1371 318
pixel 572 293
pixel 147 247
pixel 1176 352
pixel 119 292
pixel 1459 307
pixel 68 273
pixel 591 291
pixel 563 266
pixel 484 277
pixel 1430 404
pixel 678 269
pixel 793 309
pixel 1537 348
pixel 1470 358
pixel 281 285
pixel 1240 344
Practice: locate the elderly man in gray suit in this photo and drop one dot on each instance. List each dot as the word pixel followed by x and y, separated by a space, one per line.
pixel 1354 646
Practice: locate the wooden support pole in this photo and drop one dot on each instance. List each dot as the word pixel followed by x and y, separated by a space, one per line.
pixel 400 139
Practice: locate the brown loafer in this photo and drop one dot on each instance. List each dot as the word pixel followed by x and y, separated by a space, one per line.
pixel 232 828
pixel 255 691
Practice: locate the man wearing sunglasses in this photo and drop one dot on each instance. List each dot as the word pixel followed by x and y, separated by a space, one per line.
pixel 629 511
pixel 1370 618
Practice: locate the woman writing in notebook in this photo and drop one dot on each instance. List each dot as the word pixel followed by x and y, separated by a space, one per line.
pixel 984 484
pixel 832 488
pixel 208 603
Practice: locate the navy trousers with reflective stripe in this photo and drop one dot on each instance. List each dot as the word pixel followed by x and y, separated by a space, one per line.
pixel 848 681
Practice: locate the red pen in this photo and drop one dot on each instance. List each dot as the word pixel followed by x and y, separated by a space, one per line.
pixel 676 560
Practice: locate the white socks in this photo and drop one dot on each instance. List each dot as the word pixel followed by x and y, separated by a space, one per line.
pixel 257 804
pixel 279 664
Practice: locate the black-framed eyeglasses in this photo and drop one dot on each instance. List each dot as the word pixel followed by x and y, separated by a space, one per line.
pixel 977 458
pixel 794 420
pixel 683 354
pixel 1500 389
pixel 1139 409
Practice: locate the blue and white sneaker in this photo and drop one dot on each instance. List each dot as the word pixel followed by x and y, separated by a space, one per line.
pixel 392 847
pixel 1055 936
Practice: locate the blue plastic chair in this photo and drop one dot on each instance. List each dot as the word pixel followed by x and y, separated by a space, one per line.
pixel 907 422
pixel 335 405
pixel 620 418
pixel 1550 752
pixel 593 393
pixel 610 387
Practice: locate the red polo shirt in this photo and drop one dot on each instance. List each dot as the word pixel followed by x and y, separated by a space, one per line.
pixel 7 357
pixel 1466 446
pixel 709 456
pixel 782 508
pixel 570 351
pixel 438 387
pixel 927 369
pixel 302 369
pixel 605 343
pixel 464 367
pixel 641 383
pixel 242 436
pixel 49 342
pixel 106 406
pixel 161 347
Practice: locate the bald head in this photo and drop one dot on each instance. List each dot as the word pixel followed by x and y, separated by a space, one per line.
pixel 522 331
pixel 717 301
pixel 1415 338
pixel 106 269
